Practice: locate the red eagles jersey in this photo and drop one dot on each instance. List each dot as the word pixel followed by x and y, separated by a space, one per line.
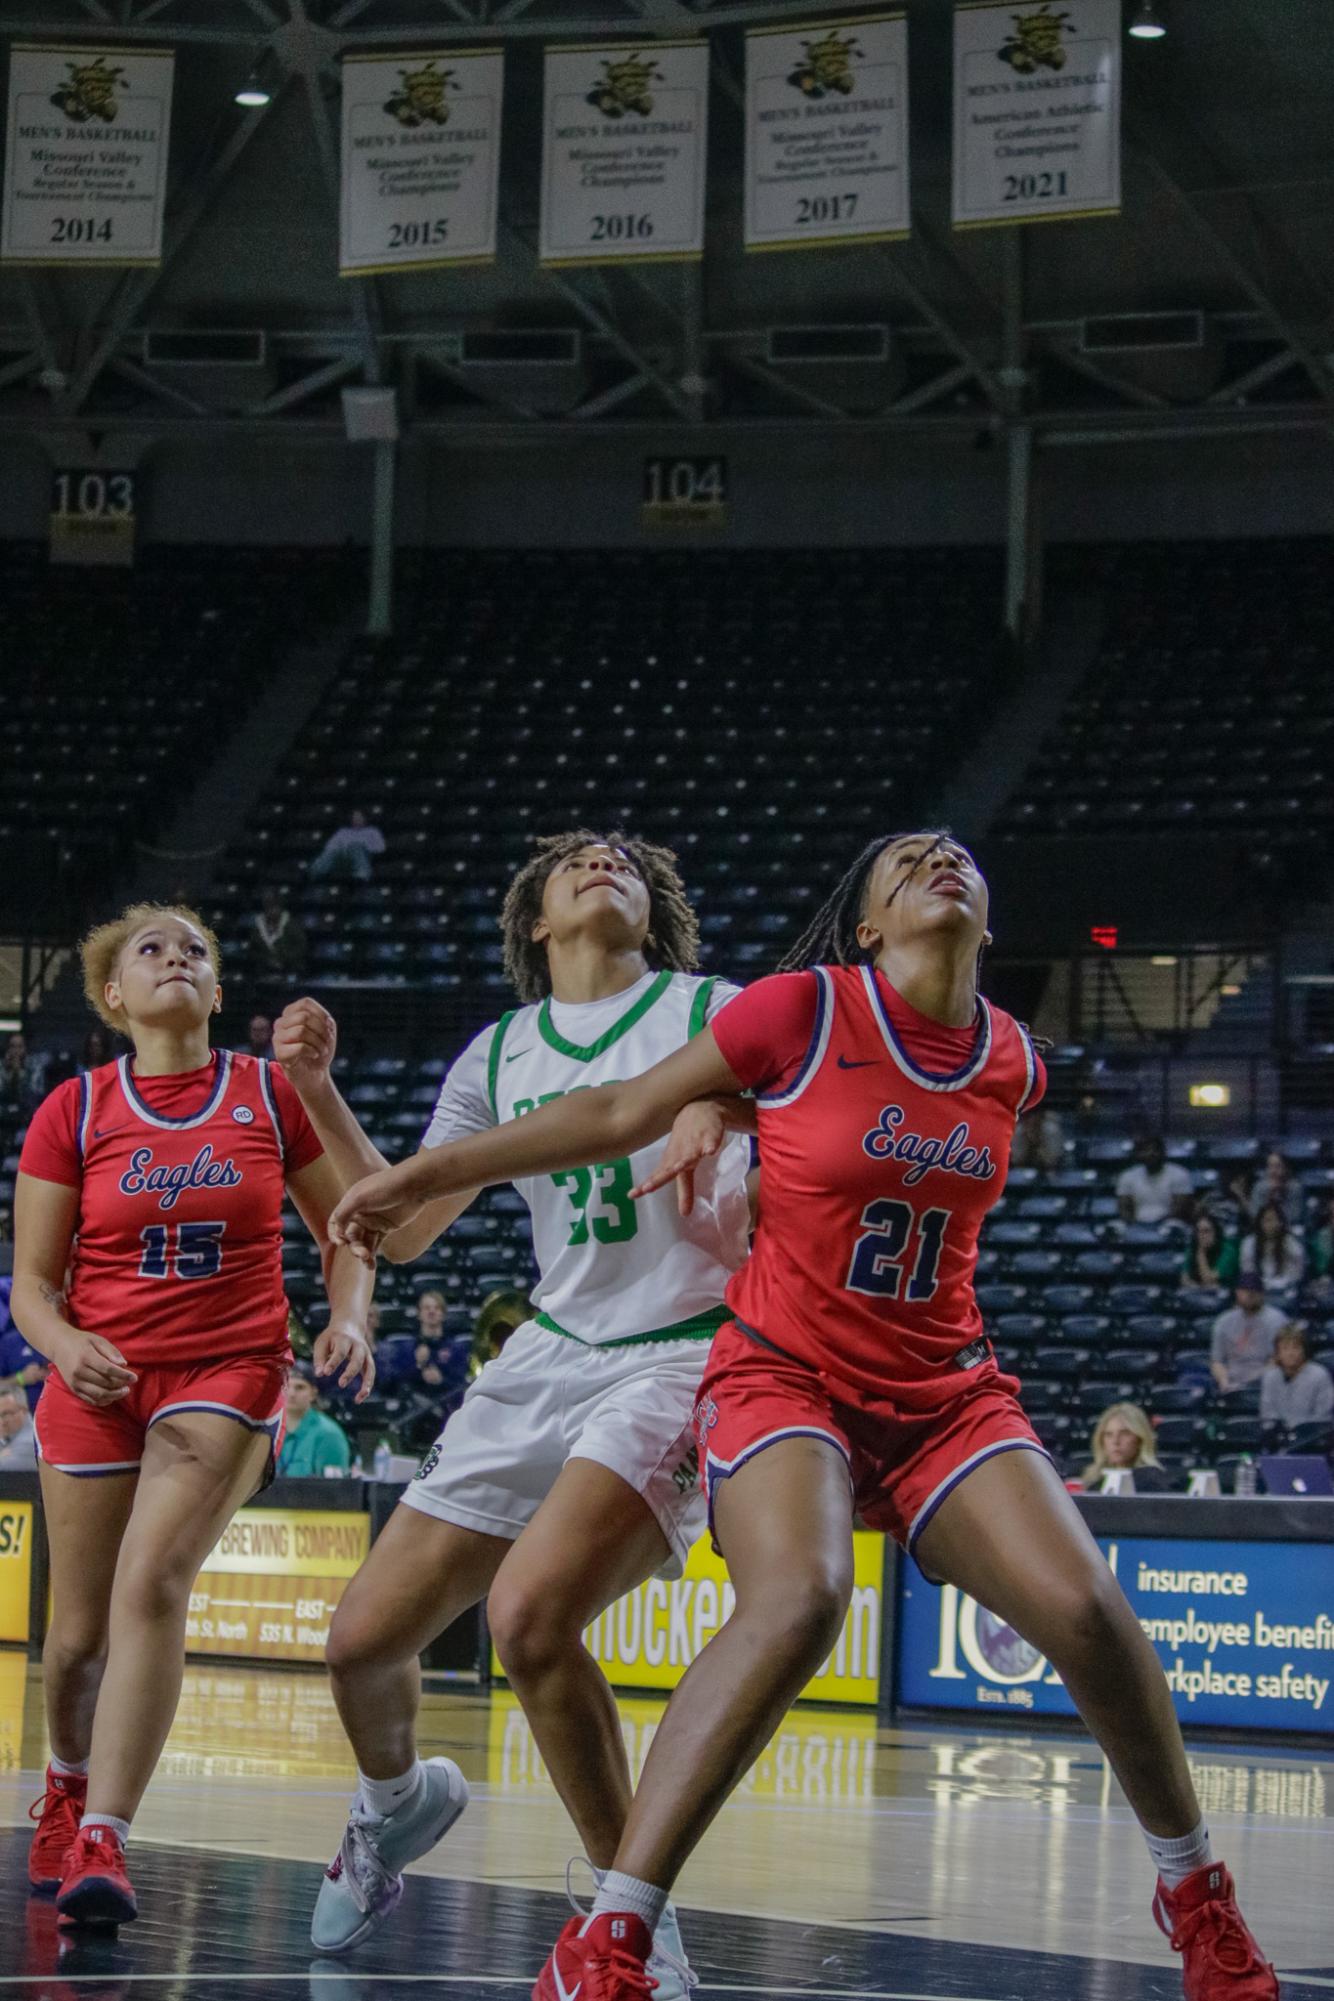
pixel 876 1175
pixel 178 1252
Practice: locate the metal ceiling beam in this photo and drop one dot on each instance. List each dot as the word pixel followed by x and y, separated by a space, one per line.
pixel 1256 378
pixel 164 392
pixel 19 370
pixel 136 291
pixel 310 385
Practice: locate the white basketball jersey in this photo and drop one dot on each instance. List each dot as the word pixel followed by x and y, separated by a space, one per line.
pixel 611 1269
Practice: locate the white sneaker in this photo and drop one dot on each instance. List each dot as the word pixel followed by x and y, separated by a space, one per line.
pixel 667 1962
pixel 364 1881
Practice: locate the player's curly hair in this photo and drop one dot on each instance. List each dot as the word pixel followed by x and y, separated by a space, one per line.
pixel 673 928
pixel 100 952
pixel 830 939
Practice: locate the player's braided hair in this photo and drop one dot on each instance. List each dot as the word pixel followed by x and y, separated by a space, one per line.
pixel 673 928
pixel 830 939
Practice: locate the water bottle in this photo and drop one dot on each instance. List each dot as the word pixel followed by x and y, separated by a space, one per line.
pixel 382 1457
pixel 1244 1486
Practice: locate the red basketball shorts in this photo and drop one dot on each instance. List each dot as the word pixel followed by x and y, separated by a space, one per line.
pixel 88 1439
pixel 901 1464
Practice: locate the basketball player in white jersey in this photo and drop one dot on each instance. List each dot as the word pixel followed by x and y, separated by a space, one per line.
pixel 568 1475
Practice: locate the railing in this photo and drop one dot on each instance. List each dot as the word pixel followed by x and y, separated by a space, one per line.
pixel 1150 996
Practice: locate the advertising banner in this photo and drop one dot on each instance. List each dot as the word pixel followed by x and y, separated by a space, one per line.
pixel 421 160
pixel 624 151
pixel 827 133
pixel 650 1637
pixel 1037 110
pixel 86 155
pixel 16 1532
pixel 1244 1630
pixel 272 1584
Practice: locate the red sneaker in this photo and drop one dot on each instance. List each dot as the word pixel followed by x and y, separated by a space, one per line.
pixel 604 1963
pixel 95 1889
pixel 1220 1959
pixel 57 1813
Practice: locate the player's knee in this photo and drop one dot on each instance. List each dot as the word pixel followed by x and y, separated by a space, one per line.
pixel 154 1587
pixel 529 1634
pixel 356 1640
pixel 75 1642
pixel 807 1616
pixel 1092 1624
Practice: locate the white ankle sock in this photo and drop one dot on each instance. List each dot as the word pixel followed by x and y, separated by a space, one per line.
pixel 627 1893
pixel 1180 1856
pixel 120 1828
pixel 388 1795
pixel 65 1770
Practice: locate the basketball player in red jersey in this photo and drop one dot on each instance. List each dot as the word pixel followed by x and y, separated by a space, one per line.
pixel 148 1270
pixel 855 1375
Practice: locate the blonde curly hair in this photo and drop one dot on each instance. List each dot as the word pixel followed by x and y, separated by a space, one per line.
pixel 101 951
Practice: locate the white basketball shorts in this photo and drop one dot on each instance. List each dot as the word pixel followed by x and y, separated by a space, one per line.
pixel 547 1399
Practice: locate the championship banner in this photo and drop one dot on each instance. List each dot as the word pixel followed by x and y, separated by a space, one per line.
pixel 86 155
pixel 827 134
pixel 1037 110
pixel 271 1586
pixel 1244 1632
pixel 625 138
pixel 16 1533
pixel 421 160
pixel 651 1636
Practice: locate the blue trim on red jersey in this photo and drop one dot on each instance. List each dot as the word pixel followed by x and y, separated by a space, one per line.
pixel 270 1097
pixel 932 1080
pixel 222 1064
pixel 815 1048
pixel 85 1111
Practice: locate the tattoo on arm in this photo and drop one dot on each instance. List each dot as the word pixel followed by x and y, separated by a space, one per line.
pixel 50 1295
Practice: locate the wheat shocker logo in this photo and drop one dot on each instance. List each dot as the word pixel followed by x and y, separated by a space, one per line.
pixel 1035 41
pixel 89 91
pixel 422 96
pixel 624 86
pixel 826 66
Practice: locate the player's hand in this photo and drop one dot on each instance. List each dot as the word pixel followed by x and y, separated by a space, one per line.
pixel 345 1348
pixel 373 1210
pixel 697 1134
pixel 305 1041
pixel 94 1368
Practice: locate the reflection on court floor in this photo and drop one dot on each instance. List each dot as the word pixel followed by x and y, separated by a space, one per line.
pixel 856 1861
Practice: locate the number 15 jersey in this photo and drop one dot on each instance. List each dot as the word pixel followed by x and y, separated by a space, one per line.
pixel 877 1173
pixel 611 1270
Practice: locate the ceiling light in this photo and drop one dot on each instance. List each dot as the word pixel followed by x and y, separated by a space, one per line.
pixel 253 94
pixel 1148 24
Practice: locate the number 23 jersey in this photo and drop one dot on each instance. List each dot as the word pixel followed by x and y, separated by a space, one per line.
pixel 876 1175
pixel 611 1270
pixel 177 1256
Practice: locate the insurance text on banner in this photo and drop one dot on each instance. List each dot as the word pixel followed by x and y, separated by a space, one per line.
pixel 624 153
pixel 421 160
pixel 1037 110
pixel 86 155
pixel 827 133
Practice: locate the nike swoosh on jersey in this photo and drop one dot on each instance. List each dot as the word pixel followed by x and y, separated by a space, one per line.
pixel 514 1059
pixel 863 1063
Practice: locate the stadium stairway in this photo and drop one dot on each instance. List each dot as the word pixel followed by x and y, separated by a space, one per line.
pixel 995 769
pixel 214 813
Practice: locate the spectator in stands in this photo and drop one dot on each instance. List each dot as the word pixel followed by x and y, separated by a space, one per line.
pixel 22 1077
pixel 99 1047
pixel 277 943
pixel 430 1338
pixel 1155 1188
pixel 1275 1251
pixel 260 1036
pixel 1243 1336
pixel 1039 1140
pixel 1322 1248
pixel 18 1440
pixel 348 851
pixel 1293 1389
pixel 1211 1262
pixel 1276 1182
pixel 314 1444
pixel 1123 1440
pixel 21 1367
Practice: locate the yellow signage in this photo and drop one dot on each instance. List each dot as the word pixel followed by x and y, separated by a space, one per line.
pixel 651 1636
pixel 16 1533
pixel 271 1586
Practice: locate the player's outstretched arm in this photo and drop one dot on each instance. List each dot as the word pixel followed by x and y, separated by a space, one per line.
pixel 584 1126
pixel 305 1041
pixel 344 1346
pixel 45 1216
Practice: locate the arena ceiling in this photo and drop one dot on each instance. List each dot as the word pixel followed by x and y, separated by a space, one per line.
pixel 1228 186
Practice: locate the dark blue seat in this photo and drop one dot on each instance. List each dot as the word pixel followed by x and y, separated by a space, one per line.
pixel 1179 1433
pixel 1068 1298
pixel 995 1298
pixel 1134 1298
pixel 1065 1363
pixel 1136 1362
pixel 1021 1328
pixel 1092 1328
pixel 1036 1264
pixel 1154 1330
pixel 1103 1264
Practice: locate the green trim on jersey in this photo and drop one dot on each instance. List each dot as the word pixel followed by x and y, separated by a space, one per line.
pixel 493 1060
pixel 700 1327
pixel 699 1008
pixel 551 1035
